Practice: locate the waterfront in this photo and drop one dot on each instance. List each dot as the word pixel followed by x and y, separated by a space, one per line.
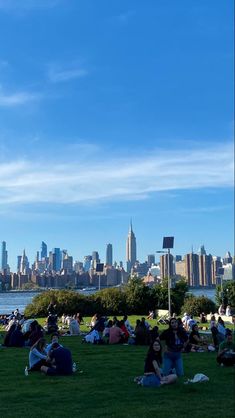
pixel 9 301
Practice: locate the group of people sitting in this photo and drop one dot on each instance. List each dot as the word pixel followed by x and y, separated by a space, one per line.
pixel 105 330
pixel 51 359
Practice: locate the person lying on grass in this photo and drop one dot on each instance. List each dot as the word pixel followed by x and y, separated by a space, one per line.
pixel 61 361
pixel 38 356
pixel 152 371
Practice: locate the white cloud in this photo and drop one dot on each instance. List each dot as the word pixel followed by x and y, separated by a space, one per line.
pixel 137 178
pixel 124 17
pixel 9 5
pixel 17 99
pixel 57 74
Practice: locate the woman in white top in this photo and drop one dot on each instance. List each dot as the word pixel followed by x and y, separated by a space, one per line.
pixel 38 355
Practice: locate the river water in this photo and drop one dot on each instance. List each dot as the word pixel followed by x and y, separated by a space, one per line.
pixel 9 301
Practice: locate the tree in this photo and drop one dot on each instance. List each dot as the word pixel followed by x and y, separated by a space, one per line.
pixel 196 305
pixel 227 296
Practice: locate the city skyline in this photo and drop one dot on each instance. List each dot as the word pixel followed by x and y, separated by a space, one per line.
pixel 128 262
pixel 102 122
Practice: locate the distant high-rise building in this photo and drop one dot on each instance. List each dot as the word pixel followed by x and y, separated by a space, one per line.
pixel 43 250
pixel 67 263
pixel 18 263
pixel 150 260
pixel 216 266
pixel 24 264
pixel 109 255
pixel 166 269
pixel 192 269
pixel 95 259
pixel 4 257
pixel 130 249
pixel 56 259
pixel 178 258
pixel 202 250
pixel 205 270
pixel 228 259
pixel 87 262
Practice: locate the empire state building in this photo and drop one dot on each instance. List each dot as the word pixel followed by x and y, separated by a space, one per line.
pixel 130 249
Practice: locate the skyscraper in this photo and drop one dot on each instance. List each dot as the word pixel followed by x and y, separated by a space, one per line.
pixel 56 259
pixel 130 249
pixel 24 264
pixel 151 260
pixel 166 270
pixel 192 269
pixel 43 250
pixel 205 267
pixel 109 255
pixel 3 256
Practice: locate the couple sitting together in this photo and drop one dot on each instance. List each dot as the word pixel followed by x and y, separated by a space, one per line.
pixel 52 359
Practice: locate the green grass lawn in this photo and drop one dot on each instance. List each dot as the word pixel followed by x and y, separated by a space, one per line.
pixel 106 388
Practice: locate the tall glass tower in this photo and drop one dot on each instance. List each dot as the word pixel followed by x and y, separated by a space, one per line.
pixel 109 255
pixel 130 249
pixel 43 250
pixel 3 256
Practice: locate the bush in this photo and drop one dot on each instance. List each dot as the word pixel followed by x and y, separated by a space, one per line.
pixel 134 298
pixel 227 297
pixel 196 305
pixel 66 301
pixel 110 302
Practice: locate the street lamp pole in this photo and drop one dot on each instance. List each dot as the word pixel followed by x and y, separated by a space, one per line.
pixel 168 279
pixel 169 283
pixel 168 243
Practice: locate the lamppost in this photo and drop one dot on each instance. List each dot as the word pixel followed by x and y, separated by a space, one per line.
pixel 221 275
pixel 168 243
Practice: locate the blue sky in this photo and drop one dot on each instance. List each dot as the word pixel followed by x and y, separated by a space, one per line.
pixel 111 110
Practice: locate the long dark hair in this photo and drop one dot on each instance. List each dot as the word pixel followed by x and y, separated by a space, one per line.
pixel 157 354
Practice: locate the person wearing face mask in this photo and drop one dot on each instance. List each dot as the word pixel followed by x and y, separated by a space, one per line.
pixel 176 339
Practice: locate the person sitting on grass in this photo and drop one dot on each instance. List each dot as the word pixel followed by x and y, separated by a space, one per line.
pixel 176 339
pixel 34 334
pixel 107 330
pixel 196 343
pixel 38 355
pixel 152 371
pixel 142 335
pixel 116 335
pixel 221 330
pixel 17 337
pixel 203 318
pixel 54 339
pixel 61 361
pixel 74 327
pixel 226 353
pixel 124 330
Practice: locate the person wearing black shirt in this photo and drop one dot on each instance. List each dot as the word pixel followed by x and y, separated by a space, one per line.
pixel 61 360
pixel 152 372
pixel 175 339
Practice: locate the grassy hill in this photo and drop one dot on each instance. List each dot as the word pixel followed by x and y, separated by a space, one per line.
pixel 106 387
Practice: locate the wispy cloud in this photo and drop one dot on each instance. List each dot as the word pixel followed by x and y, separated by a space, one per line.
pixel 124 17
pixel 58 74
pixel 17 98
pixel 9 5
pixel 67 182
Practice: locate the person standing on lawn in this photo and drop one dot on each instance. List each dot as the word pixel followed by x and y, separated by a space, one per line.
pixel 175 339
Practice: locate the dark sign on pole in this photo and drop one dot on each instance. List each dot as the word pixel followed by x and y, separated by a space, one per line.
pixel 168 242
pixel 99 267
